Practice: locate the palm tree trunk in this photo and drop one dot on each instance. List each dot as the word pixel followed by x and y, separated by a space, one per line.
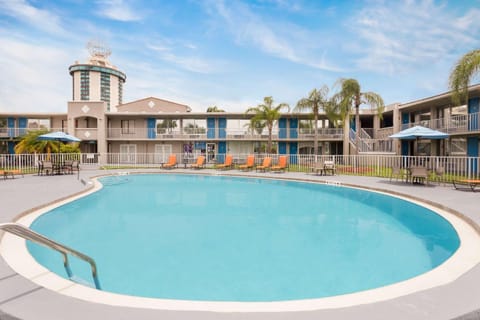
pixel 315 137
pixel 269 144
pixel 357 124
pixel 346 134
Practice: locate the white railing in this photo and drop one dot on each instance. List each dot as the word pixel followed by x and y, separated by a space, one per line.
pixel 157 134
pixel 383 133
pixel 364 164
pixel 322 133
pixel 376 146
pixel 366 133
pixel 17 132
pixel 454 124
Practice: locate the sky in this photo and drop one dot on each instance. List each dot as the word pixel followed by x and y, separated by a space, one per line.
pixel 231 54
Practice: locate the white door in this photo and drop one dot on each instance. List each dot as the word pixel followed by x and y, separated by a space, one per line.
pixel 162 151
pixel 128 153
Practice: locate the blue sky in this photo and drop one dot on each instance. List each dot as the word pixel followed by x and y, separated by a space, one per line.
pixel 233 53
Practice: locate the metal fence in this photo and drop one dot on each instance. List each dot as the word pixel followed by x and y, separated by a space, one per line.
pixel 445 169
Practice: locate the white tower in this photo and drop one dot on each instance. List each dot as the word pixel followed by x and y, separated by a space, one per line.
pixel 98 80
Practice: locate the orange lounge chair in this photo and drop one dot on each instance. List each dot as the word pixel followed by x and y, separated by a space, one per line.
pixel 199 164
pixel 281 165
pixel 249 165
pixel 5 174
pixel 267 162
pixel 227 164
pixel 11 173
pixel 471 183
pixel 172 162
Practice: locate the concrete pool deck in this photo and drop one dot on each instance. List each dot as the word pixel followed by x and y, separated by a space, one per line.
pixel 23 299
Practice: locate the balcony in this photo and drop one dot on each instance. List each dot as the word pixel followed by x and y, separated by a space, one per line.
pixel 322 134
pixel 154 134
pixel 456 124
pixel 18 132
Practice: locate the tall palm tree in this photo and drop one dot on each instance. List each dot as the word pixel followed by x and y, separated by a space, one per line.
pixel 315 102
pixel 267 115
pixel 350 97
pixel 465 69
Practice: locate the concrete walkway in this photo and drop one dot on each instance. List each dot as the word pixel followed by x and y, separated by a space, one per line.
pixel 22 299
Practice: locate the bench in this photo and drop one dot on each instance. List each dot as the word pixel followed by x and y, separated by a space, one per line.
pixel 11 173
pixel 322 169
pixel 466 184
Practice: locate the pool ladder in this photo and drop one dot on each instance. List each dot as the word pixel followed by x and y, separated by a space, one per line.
pixel 28 234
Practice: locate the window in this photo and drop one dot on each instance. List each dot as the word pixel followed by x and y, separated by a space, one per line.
pixel 120 91
pixel 128 126
pixel 84 85
pixel 38 124
pixel 128 153
pixel 105 88
pixel 162 151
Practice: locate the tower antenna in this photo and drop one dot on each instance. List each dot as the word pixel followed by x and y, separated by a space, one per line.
pixel 98 49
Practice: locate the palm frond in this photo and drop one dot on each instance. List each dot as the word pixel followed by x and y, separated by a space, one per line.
pixel 375 101
pixel 464 70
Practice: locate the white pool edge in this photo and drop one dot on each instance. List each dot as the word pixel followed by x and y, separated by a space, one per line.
pixel 14 251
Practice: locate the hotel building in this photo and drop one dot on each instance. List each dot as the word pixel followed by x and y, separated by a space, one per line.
pixel 154 127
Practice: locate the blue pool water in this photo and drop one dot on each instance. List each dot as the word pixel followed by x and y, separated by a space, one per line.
pixel 194 237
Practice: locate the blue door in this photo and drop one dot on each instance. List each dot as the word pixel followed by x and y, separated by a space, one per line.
pixel 222 125
pixel 472 151
pixel 405 120
pixel 11 127
pixel 11 147
pixel 294 128
pixel 282 128
pixel 151 130
pixel 282 148
pixel 210 128
pixel 293 152
pixel 404 147
pixel 473 112
pixel 22 126
pixel 222 150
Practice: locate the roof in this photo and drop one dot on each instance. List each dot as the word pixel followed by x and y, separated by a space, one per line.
pixel 153 105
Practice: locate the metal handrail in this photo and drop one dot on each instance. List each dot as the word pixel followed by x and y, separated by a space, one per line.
pixel 28 234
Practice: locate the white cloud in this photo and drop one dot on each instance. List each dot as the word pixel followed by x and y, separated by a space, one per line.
pixel 397 37
pixel 289 5
pixel 38 18
pixel 118 10
pixel 38 79
pixel 282 40
pixel 190 59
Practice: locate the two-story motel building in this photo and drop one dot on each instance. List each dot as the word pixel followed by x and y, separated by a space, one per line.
pixel 105 124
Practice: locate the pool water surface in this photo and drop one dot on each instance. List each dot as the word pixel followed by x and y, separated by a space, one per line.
pixel 209 238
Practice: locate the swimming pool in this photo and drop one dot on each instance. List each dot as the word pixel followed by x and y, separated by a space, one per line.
pixel 237 239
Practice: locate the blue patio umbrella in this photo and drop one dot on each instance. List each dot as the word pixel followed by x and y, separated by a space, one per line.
pixel 58 136
pixel 419 132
